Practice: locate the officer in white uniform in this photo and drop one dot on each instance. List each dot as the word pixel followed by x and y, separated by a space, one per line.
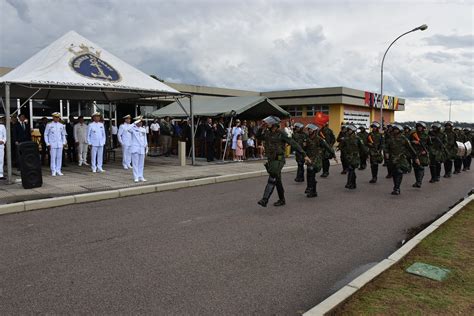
pixel 80 137
pixel 96 139
pixel 124 138
pixel 3 141
pixel 138 148
pixel 55 139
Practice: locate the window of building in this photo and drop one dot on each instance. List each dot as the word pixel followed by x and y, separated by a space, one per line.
pixel 45 107
pixel 295 110
pixel 311 110
pixel 86 108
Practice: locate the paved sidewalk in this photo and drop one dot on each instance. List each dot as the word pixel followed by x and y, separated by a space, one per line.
pixel 78 180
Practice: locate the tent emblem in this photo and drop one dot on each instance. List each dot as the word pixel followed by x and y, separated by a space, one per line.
pixel 86 62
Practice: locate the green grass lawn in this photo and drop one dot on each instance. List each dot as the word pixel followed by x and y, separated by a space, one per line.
pixel 397 292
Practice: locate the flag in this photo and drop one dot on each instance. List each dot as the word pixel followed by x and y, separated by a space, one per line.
pixel 320 118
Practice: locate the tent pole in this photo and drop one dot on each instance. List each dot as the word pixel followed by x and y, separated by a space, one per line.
pixel 9 137
pixel 227 138
pixel 193 149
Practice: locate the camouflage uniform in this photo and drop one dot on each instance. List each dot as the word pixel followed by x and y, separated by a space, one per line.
pixel 328 135
pixel 437 151
pixel 387 135
pixel 275 142
pixel 399 151
pixel 451 149
pixel 375 143
pixel 316 147
pixel 420 141
pixel 458 160
pixel 469 136
pixel 352 146
pixel 363 135
pixel 300 137
pixel 340 138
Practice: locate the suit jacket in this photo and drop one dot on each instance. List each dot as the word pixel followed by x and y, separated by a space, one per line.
pixel 22 134
pixel 70 132
pixel 210 134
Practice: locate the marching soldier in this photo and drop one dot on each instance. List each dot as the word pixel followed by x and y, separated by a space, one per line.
pixel 399 152
pixel 468 158
pixel 387 134
pixel 139 148
pixel 300 137
pixel 315 148
pixel 328 135
pixel 375 143
pixel 420 141
pixel 451 149
pixel 275 141
pixel 437 151
pixel 3 141
pixel 96 139
pixel 407 131
pixel 340 138
pixel 352 146
pixel 458 160
pixel 124 138
pixel 55 139
pixel 363 135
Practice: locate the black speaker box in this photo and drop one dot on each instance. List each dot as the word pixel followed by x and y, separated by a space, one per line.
pixel 30 165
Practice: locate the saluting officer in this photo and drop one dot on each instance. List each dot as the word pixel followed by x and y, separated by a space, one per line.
pixel 96 138
pixel 300 137
pixel 399 151
pixel 275 141
pixel 375 143
pixel 420 141
pixel 138 148
pixel 55 139
pixel 124 138
pixel 315 149
pixel 352 146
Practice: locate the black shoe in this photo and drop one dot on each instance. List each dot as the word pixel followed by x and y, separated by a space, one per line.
pixel 279 203
pixel 325 175
pixel 388 176
pixel 396 192
pixel 432 180
pixel 263 202
pixel 307 190
pixel 416 185
pixel 447 175
pixel 312 194
pixel 299 180
pixel 373 180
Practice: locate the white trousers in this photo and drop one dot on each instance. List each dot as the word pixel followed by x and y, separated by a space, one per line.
pixel 138 161
pixel 126 156
pixel 2 155
pixel 82 149
pixel 97 157
pixel 56 159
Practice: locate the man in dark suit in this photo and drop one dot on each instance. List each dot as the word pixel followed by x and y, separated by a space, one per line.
pixel 22 133
pixel 210 137
pixel 221 134
pixel 44 148
pixel 71 143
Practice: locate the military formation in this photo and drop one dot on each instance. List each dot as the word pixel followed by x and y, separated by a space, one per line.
pixel 401 149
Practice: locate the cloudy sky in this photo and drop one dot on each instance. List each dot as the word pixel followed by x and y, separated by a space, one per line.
pixel 268 45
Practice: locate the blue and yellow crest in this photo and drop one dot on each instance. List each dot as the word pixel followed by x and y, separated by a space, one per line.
pixel 87 63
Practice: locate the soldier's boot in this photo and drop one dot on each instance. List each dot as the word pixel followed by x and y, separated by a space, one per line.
pixel 418 177
pixel 353 182
pixel 325 173
pixel 267 192
pixel 349 180
pixel 308 181
pixel 397 181
pixel 313 192
pixel 281 194
pixel 457 165
pixel 469 159
pixel 312 183
pixel 374 169
pixel 300 173
pixel 433 173
pixel 448 166
pixel 438 171
pixel 389 171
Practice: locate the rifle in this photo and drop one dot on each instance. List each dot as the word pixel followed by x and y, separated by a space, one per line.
pixel 321 134
pixel 441 143
pixel 417 138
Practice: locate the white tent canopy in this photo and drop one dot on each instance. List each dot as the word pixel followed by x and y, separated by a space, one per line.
pixel 72 67
pixel 251 107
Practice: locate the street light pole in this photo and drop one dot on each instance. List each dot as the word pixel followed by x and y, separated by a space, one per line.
pixel 419 28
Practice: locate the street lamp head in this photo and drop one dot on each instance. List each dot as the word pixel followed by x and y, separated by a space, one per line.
pixel 423 27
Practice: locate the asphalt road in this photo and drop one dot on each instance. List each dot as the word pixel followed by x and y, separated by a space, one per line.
pixel 210 249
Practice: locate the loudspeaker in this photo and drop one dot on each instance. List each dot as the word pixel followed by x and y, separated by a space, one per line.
pixel 30 165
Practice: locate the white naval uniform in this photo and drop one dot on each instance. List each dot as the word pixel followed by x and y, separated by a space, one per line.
pixel 3 138
pixel 55 136
pixel 96 138
pixel 124 138
pixel 138 149
pixel 80 136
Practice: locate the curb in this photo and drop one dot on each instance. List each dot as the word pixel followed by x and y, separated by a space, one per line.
pixel 356 284
pixel 125 192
